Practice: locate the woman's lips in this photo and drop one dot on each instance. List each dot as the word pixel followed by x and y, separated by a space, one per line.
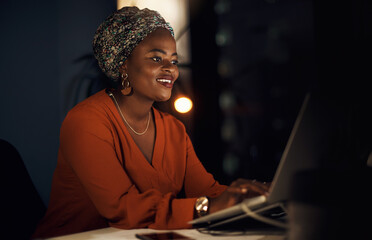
pixel 165 82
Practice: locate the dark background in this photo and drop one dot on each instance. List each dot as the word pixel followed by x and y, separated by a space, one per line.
pixel 275 52
pixel 252 64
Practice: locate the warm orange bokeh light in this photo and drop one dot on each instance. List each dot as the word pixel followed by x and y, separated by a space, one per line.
pixel 183 104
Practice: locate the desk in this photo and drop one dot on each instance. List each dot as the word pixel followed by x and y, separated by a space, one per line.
pixel 111 233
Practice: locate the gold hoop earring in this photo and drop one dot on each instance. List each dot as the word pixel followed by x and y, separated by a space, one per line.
pixel 126 88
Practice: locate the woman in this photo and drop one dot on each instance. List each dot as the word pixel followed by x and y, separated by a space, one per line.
pixel 121 162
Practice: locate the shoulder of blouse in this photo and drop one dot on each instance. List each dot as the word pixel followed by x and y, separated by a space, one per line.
pixel 94 103
pixel 88 112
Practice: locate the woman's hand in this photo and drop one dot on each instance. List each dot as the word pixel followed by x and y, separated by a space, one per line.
pixel 236 192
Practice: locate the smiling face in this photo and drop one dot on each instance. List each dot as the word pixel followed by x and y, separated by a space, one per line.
pixel 152 66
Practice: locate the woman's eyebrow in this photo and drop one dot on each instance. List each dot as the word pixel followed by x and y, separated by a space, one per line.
pixel 161 51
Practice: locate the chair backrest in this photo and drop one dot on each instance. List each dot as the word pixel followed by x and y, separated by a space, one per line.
pixel 21 203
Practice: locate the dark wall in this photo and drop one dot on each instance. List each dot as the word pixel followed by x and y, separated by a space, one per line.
pixel 343 37
pixel 29 99
pixel 40 67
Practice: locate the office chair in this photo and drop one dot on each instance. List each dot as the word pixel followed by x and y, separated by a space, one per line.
pixel 21 203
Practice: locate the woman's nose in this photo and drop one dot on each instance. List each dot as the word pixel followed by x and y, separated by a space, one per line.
pixel 169 66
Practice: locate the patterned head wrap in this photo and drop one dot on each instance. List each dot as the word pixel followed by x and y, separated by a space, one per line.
pixel 120 33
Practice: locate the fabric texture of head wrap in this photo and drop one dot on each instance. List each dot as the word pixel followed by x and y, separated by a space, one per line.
pixel 120 33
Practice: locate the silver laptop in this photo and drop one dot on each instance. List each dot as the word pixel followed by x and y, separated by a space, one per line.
pixel 302 152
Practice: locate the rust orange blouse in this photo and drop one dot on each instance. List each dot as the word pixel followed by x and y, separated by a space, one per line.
pixel 103 179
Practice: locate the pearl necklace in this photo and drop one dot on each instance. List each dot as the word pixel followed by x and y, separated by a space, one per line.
pixel 117 105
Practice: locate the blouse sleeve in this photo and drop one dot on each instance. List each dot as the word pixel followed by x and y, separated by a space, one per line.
pixel 88 146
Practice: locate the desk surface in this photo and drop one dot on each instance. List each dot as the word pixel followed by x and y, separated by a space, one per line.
pixel 120 234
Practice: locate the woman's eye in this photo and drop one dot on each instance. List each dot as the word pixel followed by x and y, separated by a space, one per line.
pixel 175 62
pixel 156 59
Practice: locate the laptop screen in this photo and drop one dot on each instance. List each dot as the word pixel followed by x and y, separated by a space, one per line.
pixel 308 145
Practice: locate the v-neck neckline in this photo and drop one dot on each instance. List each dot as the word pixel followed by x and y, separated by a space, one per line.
pixel 158 150
pixel 158 143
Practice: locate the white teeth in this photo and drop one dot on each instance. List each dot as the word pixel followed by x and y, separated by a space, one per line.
pixel 164 80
